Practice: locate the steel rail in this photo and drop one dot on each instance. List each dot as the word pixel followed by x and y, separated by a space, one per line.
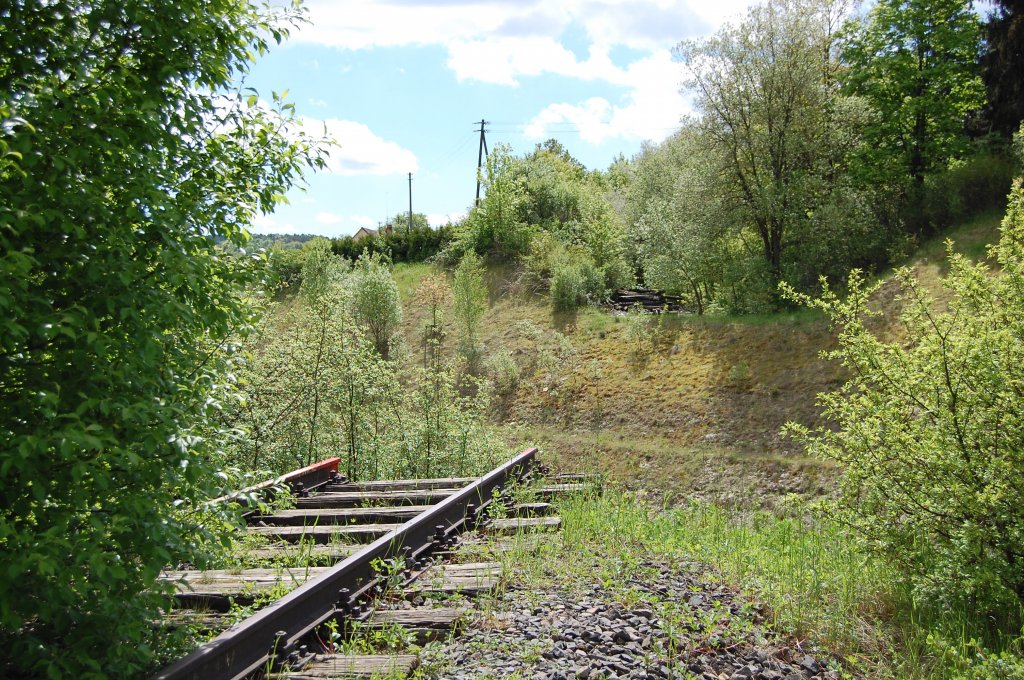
pixel 275 630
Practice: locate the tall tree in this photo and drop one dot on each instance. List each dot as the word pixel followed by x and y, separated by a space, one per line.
pixel 125 150
pixel 917 64
pixel 1002 66
pixel 767 96
pixel 400 222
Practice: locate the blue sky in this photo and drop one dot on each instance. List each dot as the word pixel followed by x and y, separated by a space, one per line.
pixel 401 85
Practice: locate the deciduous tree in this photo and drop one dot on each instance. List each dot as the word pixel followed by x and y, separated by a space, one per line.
pixel 375 302
pixel 917 63
pixel 125 150
pixel 766 92
pixel 493 228
pixel 469 293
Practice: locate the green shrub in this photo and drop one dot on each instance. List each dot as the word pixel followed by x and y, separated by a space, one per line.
pixel 746 287
pixel 575 280
pixel 375 302
pixel 618 273
pixel 469 303
pixel 568 287
pixel 417 245
pixel 969 188
pixel 546 251
pixel 503 372
pixel 286 266
pixel 930 433
pixel 492 228
pixel 1018 149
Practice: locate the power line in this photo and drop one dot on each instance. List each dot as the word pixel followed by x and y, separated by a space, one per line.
pixel 446 158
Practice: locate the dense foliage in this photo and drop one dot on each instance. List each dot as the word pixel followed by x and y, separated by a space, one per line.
pixel 929 432
pixel 287 256
pixel 770 121
pixel 318 383
pixel 917 64
pixel 469 302
pixel 494 228
pixel 375 303
pixel 1002 65
pixel 546 213
pixel 400 245
pixel 823 142
pixel 123 155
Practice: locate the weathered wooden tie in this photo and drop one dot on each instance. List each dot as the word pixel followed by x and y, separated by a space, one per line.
pixel 299 552
pixel 336 666
pixel 403 484
pixel 354 499
pixel 353 533
pixel 424 623
pixel 349 515
pixel 513 525
pixel 464 579
pixel 199 587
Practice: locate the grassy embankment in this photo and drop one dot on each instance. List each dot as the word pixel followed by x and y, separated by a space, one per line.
pixel 691 406
pixel 692 410
pixel 817 591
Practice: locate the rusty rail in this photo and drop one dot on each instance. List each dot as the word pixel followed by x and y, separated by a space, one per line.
pixel 274 632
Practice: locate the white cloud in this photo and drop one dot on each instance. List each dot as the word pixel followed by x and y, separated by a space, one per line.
pixel 650 111
pixel 266 224
pixel 641 24
pixel 359 151
pixel 361 24
pixel 504 41
pixel 722 11
pixel 328 218
pixel 439 220
pixel 504 60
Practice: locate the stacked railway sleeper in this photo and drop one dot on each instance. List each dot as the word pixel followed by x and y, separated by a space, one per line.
pixel 338 584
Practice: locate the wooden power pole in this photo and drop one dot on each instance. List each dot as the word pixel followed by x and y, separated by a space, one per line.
pixel 408 227
pixel 481 152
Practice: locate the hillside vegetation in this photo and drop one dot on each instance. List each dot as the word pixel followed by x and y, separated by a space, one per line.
pixel 149 362
pixel 684 405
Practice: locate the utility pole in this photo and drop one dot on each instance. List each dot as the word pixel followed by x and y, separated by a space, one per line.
pixel 480 158
pixel 408 227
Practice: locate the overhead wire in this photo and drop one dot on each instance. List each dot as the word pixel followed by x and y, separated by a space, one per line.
pixel 448 157
pixel 503 128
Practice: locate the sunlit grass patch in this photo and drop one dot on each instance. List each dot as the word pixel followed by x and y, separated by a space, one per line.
pixel 815 582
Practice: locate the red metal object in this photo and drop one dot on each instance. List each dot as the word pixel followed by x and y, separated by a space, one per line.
pixel 309 477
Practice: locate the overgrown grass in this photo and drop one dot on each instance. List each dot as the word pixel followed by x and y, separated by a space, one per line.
pixel 408 275
pixel 815 581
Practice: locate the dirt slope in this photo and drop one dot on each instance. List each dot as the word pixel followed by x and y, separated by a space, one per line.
pixel 691 406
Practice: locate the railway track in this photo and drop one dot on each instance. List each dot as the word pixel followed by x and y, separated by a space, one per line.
pixel 391 537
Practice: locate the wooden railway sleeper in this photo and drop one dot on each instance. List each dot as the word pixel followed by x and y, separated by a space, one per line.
pixel 274 636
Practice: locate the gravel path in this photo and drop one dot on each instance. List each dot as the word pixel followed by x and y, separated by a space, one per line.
pixel 671 622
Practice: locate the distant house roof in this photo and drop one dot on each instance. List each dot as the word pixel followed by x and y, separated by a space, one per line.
pixel 363 233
